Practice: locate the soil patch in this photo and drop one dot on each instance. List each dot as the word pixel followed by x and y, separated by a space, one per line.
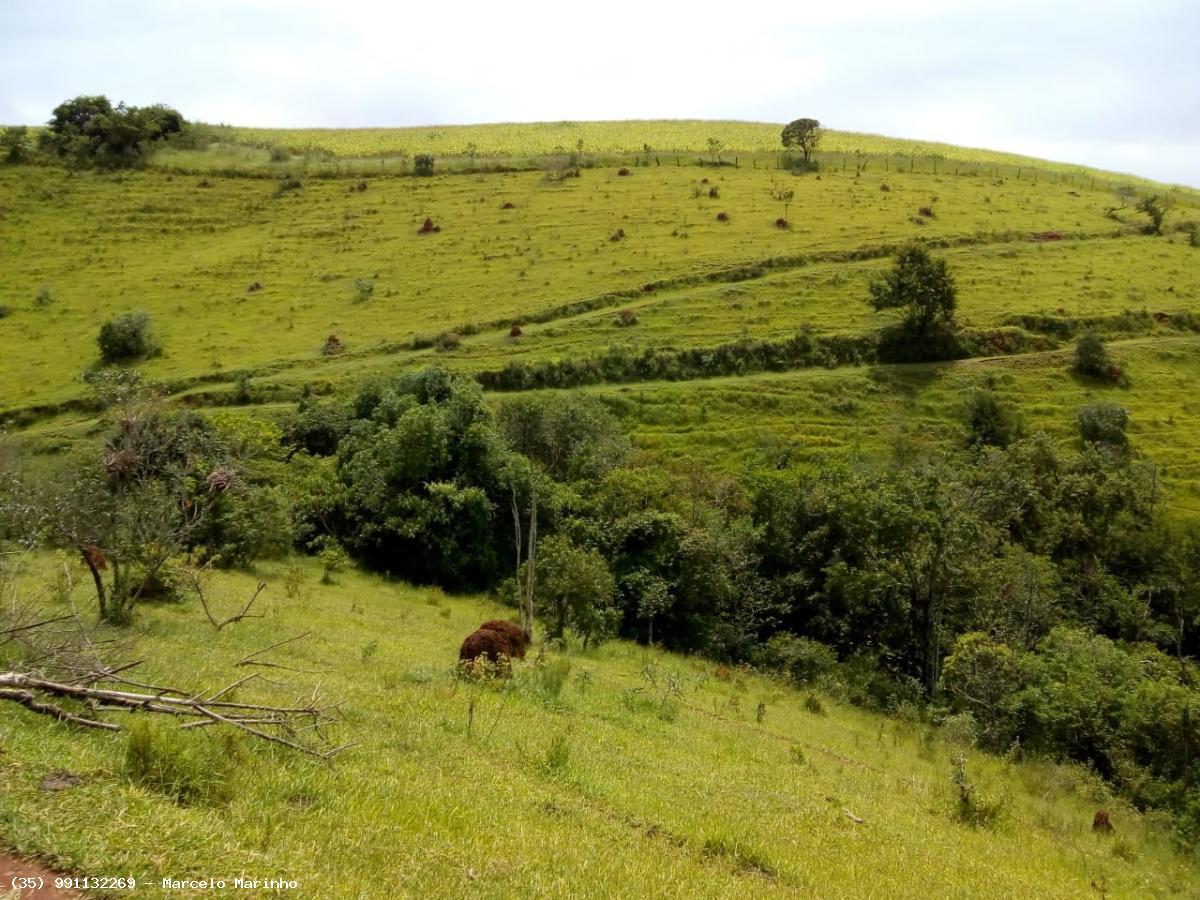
pixel 12 868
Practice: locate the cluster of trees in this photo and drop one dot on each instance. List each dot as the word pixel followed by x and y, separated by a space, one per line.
pixel 91 131
pixel 1042 591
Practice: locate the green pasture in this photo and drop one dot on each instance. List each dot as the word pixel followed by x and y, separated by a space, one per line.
pixel 193 252
pixel 617 771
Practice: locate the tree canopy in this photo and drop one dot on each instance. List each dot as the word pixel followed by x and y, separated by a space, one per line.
pixel 803 135
pixel 89 130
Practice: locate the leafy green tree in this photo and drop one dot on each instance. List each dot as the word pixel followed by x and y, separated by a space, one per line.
pixel 423 165
pixel 921 287
pixel 15 144
pixel 425 485
pixel 90 130
pixel 1156 208
pixel 572 436
pixel 990 421
pixel 127 338
pixel 982 677
pixel 1103 425
pixel 804 135
pixel 575 590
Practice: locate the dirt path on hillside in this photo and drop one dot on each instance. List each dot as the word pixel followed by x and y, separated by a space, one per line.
pixel 12 868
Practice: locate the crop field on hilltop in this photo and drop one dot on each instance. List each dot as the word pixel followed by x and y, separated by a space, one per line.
pixel 621 137
pixel 618 772
pixel 246 274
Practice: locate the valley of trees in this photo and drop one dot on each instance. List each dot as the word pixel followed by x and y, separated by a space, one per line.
pixel 1042 595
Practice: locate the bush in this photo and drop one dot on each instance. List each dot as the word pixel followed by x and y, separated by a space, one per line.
pixel 363 289
pixel 990 421
pixel 5 311
pixel 43 297
pixel 1092 361
pixel 127 338
pixel 624 318
pixel 423 165
pixel 1104 424
pixel 15 144
pixel 801 659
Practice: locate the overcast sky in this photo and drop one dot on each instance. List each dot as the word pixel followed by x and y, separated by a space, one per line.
pixel 1100 82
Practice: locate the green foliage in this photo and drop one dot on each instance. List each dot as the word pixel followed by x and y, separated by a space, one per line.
pixel 89 130
pixel 971 808
pixel 363 289
pixel 1156 208
pixel 990 421
pixel 424 478
pixel 193 768
pixel 924 290
pixel 575 590
pixel 1104 424
pixel 572 437
pixel 804 134
pixel 802 660
pixel 15 144
pixel 333 559
pixel 1092 361
pixel 982 677
pixel 423 165
pixel 127 338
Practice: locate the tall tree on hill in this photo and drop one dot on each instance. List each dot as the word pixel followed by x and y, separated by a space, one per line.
pixel 803 135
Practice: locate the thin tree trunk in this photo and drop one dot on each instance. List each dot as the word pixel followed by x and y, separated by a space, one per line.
pixel 530 561
pixel 101 596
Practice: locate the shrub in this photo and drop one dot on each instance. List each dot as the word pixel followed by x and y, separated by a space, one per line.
pixel 624 318
pixel 363 289
pixel 1104 424
pixel 801 659
pixel 622 171
pixel 43 297
pixel 448 341
pixel 427 227
pixel 15 144
pixel 333 345
pixel 990 421
pixel 1092 361
pixel 127 338
pixel 722 217
pixel 971 807
pixel 287 184
pixel 5 311
pixel 423 165
pixel 196 767
pixel 334 560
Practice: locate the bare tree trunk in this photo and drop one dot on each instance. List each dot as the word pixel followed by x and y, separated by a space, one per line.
pixel 530 561
pixel 101 596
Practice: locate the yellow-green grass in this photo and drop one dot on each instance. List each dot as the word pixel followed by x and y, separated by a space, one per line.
pixel 876 412
pixel 1068 279
pixel 655 794
pixel 187 253
pixel 623 137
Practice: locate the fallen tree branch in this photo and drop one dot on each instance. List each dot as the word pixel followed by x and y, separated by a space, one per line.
pixel 194 575
pixel 249 717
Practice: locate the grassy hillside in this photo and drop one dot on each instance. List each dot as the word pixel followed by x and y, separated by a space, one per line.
pixel 248 276
pixel 619 771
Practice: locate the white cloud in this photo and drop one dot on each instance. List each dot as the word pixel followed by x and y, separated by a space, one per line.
pixel 1107 82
